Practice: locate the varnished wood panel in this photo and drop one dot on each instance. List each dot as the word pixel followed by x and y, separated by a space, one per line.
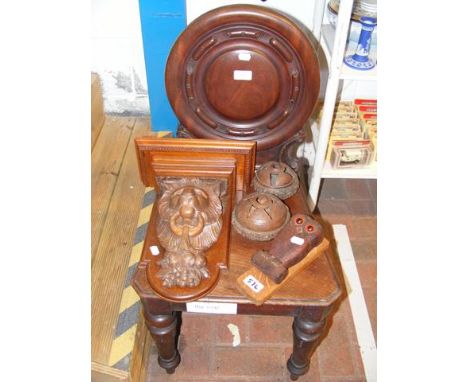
pixel 216 257
pixel 243 72
pixel 270 287
pixel 229 162
pixel 151 150
pixel 317 285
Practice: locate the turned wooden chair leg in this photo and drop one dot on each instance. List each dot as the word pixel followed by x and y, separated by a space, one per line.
pixel 163 329
pixel 307 332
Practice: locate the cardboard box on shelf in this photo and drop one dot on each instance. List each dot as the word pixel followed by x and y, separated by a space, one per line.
pixel 351 154
pixel 362 101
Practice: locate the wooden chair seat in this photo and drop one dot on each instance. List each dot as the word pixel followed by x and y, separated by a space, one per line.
pixel 309 297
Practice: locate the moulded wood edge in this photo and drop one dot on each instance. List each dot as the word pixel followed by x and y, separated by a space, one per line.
pixel 103 373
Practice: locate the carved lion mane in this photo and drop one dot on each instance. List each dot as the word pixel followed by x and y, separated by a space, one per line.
pixel 189 208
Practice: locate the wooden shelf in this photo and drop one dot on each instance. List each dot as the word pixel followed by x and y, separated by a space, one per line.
pixel 335 47
pixel 369 172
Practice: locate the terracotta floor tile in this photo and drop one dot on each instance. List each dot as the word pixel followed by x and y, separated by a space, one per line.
pixel 334 353
pixel 334 379
pixel 194 363
pixel 364 249
pixel 196 380
pixel 223 334
pixel 354 346
pixel 153 370
pixel 313 375
pixel 220 378
pixel 344 310
pixel 343 318
pixel 333 206
pixel 206 342
pixel 363 227
pixel 328 220
pixel 370 295
pixel 270 329
pixel 362 207
pixel 372 185
pixel 367 273
pixel 248 361
pixel 357 359
pixel 333 189
pixel 357 189
pixel 196 330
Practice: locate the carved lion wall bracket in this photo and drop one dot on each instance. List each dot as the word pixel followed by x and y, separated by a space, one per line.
pixel 197 182
pixel 189 222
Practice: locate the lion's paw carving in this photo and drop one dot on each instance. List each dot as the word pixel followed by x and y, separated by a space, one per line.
pixel 183 270
pixel 183 277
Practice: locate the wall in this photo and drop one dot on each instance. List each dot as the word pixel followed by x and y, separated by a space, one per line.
pixel 117 56
pixel 300 9
pixel 118 49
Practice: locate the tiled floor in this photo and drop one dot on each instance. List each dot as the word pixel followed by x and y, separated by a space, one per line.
pixel 266 342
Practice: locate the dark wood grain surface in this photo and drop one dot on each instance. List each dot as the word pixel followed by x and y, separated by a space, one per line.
pixel 153 152
pixel 279 70
pixel 317 285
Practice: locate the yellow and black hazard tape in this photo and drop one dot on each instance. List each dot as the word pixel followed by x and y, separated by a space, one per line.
pixel 124 335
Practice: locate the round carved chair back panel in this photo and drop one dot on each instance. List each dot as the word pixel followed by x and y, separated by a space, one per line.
pixel 243 72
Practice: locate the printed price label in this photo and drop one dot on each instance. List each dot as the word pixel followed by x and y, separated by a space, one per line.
pixel 244 56
pixel 243 75
pixel 297 240
pixel 212 307
pixel 154 250
pixel 253 283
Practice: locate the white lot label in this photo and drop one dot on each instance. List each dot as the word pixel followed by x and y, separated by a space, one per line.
pixel 212 307
pixel 243 75
pixel 253 283
pixel 297 240
pixel 244 56
pixel 154 250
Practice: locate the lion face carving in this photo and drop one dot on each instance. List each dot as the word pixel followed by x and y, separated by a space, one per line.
pixel 189 222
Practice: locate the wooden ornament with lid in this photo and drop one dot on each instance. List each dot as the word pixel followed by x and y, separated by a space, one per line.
pixel 260 216
pixel 276 178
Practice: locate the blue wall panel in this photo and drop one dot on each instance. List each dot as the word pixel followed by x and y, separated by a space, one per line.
pixel 161 23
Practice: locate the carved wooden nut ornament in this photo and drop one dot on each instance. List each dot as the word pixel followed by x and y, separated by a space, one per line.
pixel 276 178
pixel 260 216
pixel 290 246
pixel 189 222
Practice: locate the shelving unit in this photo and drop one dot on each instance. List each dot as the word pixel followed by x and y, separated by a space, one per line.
pixel 333 42
pixel 369 172
pixel 346 73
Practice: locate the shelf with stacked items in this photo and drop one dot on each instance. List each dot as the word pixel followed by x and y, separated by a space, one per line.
pixel 352 146
pixel 369 172
pixel 346 73
pixel 347 37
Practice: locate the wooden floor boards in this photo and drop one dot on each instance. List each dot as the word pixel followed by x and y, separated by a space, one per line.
pixel 117 194
pixel 107 157
pixel 97 109
pixel 102 373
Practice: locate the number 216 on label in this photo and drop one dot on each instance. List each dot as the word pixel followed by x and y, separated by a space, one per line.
pixel 253 283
